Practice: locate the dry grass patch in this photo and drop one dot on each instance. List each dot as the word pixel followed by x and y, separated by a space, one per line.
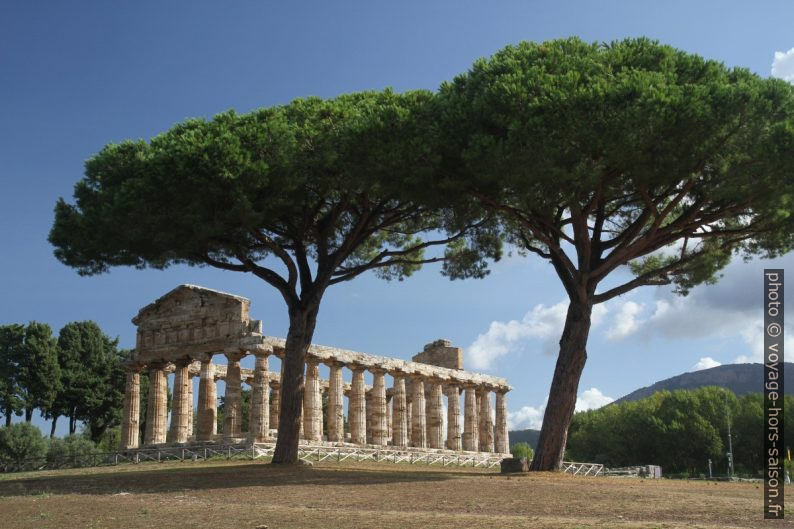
pixel 329 495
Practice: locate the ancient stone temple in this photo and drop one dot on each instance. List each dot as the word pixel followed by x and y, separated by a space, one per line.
pixel 181 332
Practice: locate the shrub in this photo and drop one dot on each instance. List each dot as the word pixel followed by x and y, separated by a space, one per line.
pixel 20 442
pixel 520 450
pixel 72 450
pixel 110 440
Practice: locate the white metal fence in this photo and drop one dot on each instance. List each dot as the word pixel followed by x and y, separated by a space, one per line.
pixel 306 452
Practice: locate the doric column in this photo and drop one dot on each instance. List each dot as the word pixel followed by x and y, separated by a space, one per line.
pixel 486 421
pixel 232 405
pixel 357 408
pixel 312 404
pixel 435 420
pixel 378 400
pixel 418 424
pixel 501 438
pixel 368 414
pixel 130 432
pixel 302 430
pixel 389 424
pixel 190 408
pixel 470 421
pixel 399 414
pixel 180 406
pixel 336 410
pixel 259 418
pixel 409 410
pixel 453 418
pixel 207 402
pixel 275 404
pixel 157 407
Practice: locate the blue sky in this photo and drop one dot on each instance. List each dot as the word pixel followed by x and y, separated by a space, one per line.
pixel 76 76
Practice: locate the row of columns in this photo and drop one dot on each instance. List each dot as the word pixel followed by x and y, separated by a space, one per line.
pixel 413 419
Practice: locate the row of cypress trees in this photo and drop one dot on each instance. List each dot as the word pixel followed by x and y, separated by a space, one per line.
pixel 77 375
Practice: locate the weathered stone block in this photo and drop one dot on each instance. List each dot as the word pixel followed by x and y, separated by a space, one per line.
pixel 441 353
pixel 510 465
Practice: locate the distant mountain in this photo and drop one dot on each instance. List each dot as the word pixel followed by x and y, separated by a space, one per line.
pixel 739 378
pixel 524 436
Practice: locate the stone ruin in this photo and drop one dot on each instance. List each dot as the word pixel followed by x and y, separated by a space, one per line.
pixel 182 331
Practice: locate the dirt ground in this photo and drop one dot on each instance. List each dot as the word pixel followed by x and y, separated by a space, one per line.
pixel 250 495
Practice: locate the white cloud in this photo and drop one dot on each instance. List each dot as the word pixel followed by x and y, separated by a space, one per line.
pixel 532 416
pixel 783 65
pixel 502 338
pixel 705 363
pixel 526 417
pixel 753 335
pixel 727 309
pixel 625 321
pixel 600 312
pixel 700 316
pixel 541 323
pixel 591 399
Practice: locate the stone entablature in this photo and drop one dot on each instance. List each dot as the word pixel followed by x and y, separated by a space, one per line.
pixel 183 330
pixel 393 366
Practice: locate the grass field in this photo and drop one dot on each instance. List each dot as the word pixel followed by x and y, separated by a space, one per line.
pixel 247 495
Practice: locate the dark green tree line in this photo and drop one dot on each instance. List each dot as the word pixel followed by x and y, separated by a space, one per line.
pixel 679 430
pixel 77 375
pixel 29 370
pixel 38 370
pixel 92 379
pixel 11 339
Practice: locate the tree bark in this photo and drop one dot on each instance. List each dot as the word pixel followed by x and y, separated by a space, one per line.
pixel 8 416
pixel 564 387
pixel 28 414
pixel 54 424
pixel 299 337
pixel 72 424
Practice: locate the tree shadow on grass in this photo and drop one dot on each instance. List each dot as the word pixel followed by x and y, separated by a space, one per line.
pixel 184 478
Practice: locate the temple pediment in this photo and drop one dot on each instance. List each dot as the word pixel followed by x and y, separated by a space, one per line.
pixel 190 321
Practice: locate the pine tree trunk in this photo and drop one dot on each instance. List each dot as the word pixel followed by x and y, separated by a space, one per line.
pixel 54 423
pixel 564 387
pixel 28 414
pixel 299 337
pixel 8 413
pixel 72 424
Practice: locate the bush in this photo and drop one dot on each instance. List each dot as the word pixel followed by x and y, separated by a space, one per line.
pixel 520 450
pixel 72 450
pixel 110 440
pixel 20 442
